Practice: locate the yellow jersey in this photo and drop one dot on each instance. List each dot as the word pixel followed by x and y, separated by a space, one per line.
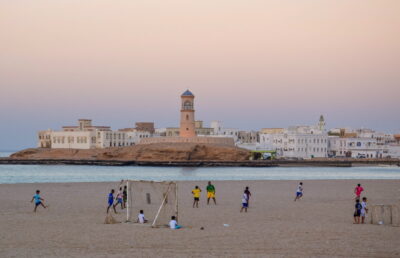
pixel 196 193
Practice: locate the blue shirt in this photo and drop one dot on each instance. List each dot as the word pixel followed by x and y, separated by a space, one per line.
pixel 36 197
pixel 110 198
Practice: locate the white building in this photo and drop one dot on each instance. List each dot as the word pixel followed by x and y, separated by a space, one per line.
pixel 83 136
pixel 296 141
pixel 392 151
pixel 134 136
pixel 360 143
pixel 219 130
pixel 355 147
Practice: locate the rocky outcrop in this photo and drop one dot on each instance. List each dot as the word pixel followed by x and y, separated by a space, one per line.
pixel 148 152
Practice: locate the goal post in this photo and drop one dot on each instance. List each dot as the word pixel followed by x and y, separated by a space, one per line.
pixel 158 200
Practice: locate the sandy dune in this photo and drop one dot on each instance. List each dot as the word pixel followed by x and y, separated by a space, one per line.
pixel 318 226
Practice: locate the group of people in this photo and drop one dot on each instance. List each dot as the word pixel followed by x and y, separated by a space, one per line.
pixel 211 195
pixel 361 209
pixel 120 198
pixel 173 224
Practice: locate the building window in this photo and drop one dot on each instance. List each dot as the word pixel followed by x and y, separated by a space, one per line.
pixel 187 105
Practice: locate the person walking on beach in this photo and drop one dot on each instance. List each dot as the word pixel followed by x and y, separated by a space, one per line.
pixel 196 195
pixel 210 193
pixel 111 201
pixel 364 209
pixel 248 193
pixel 357 212
pixel 119 198
pixel 299 192
pixel 358 190
pixel 245 201
pixel 38 200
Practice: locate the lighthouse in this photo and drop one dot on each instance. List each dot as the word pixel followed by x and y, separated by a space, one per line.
pixel 187 126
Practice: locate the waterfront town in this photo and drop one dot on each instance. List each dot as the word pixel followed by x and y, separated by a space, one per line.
pixel 301 141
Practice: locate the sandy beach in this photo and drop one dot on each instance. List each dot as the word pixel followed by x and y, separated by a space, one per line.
pixel 320 225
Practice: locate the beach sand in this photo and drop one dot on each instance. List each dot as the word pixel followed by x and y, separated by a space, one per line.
pixel 320 225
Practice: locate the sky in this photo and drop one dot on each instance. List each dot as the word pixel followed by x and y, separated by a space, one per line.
pixel 251 64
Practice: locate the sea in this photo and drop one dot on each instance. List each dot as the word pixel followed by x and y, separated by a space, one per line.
pixel 12 174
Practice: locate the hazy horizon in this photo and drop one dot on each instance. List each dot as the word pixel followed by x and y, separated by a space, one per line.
pixel 251 64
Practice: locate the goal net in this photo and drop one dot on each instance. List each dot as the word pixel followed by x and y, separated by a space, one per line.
pixel 158 200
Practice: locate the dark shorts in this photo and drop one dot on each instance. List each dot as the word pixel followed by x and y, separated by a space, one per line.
pixel 245 205
pixel 196 198
pixel 357 213
pixel 110 203
pixel 298 194
pixel 119 200
pixel 38 203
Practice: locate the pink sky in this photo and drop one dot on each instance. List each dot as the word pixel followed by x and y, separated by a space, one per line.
pixel 251 64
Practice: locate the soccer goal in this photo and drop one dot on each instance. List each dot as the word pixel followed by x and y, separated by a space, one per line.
pixel 158 200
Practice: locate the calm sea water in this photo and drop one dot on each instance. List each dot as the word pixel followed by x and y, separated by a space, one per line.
pixel 10 174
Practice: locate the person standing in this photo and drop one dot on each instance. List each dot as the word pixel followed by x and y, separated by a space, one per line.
pixel 357 212
pixel 211 193
pixel 196 196
pixel 119 198
pixel 364 209
pixel 248 193
pixel 358 190
pixel 111 201
pixel 125 195
pixel 299 192
pixel 38 200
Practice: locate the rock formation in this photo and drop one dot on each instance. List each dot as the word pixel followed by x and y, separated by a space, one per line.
pixel 148 152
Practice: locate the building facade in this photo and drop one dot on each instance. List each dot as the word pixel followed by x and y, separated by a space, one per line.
pixel 219 130
pixel 355 147
pixel 145 127
pixel 296 141
pixel 83 136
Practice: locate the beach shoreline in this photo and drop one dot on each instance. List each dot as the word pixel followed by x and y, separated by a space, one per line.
pixel 319 225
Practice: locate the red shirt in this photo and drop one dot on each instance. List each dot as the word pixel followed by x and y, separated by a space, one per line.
pixel 359 189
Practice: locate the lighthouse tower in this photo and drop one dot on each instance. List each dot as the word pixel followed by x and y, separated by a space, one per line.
pixel 187 128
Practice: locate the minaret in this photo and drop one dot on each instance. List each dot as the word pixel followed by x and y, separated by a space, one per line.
pixel 187 128
pixel 321 123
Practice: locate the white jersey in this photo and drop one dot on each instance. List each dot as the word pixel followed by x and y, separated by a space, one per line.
pixel 363 207
pixel 245 198
pixel 172 224
pixel 141 218
pixel 300 189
